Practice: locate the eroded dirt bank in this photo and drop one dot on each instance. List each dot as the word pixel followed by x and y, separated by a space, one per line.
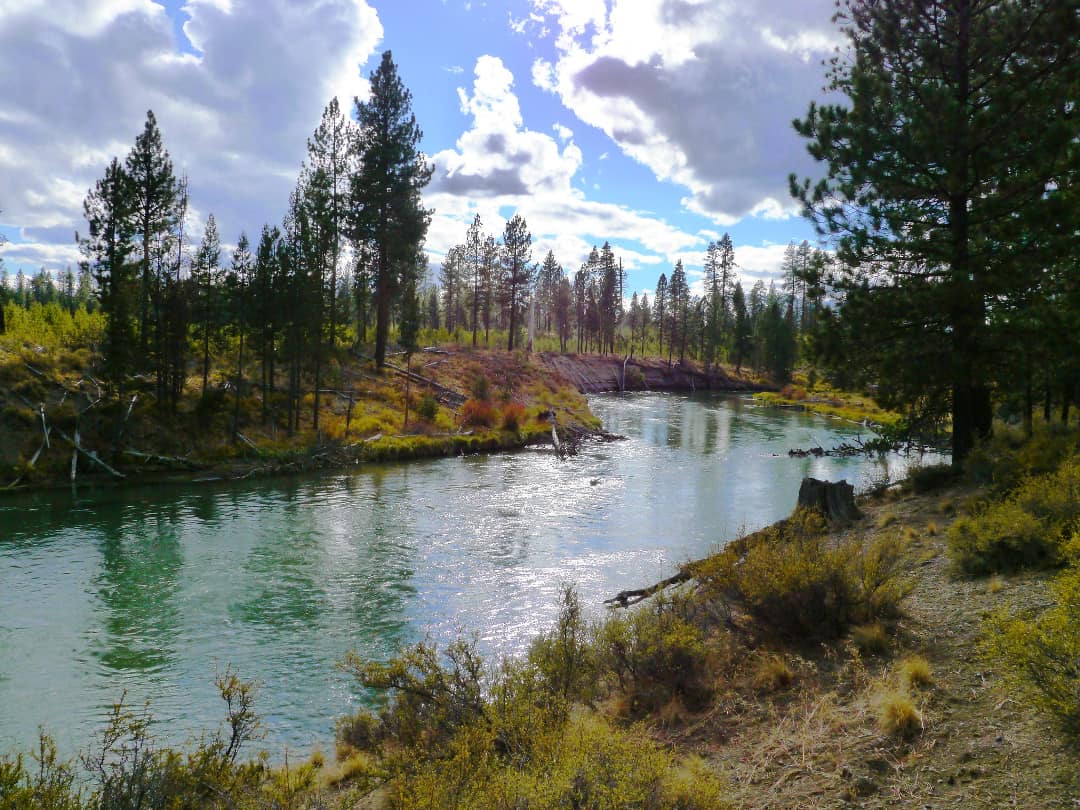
pixel 595 374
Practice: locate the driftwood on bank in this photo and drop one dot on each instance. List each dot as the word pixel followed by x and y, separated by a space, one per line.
pixel 632 597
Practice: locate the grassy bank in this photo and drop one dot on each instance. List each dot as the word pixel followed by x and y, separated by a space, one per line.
pixel 802 666
pixel 815 396
pixel 456 401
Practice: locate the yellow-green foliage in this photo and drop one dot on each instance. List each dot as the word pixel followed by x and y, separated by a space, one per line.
pixel 829 402
pixel 52 326
pixel 1027 529
pixel 896 713
pixel 656 653
pixel 1042 654
pixel 1009 457
pixel 915 672
pixel 453 733
pixel 871 639
pixel 796 582
pixel 586 762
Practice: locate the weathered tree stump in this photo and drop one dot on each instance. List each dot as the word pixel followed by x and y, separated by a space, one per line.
pixel 835 500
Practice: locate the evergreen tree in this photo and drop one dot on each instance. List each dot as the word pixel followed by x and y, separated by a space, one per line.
pixel 948 171
pixel 155 189
pixel 452 276
pixel 204 272
pixel 564 298
pixel 679 306
pixel 645 320
pixel 516 273
pixel 241 275
pixel 385 194
pixel 660 305
pixel 108 209
pixel 742 339
pixel 433 309
pixel 329 157
pixel 473 257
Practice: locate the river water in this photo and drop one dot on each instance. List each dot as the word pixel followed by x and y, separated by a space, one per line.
pixel 149 591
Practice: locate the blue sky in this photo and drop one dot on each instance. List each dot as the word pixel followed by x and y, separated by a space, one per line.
pixel 656 124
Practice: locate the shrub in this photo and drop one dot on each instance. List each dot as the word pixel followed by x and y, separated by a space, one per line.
pixel 656 654
pixel 871 639
pixel 563 656
pixel 481 389
pixel 513 416
pixel 1003 537
pixel 1041 654
pixel 915 672
pixel 797 583
pixel 773 673
pixel 896 713
pixel 428 408
pixel 932 477
pixel 477 413
pixel 793 392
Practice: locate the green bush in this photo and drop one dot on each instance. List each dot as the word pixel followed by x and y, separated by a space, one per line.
pixel 1042 655
pixel 656 654
pixel 932 477
pixel 1026 530
pixel 428 408
pixel 795 582
pixel 564 656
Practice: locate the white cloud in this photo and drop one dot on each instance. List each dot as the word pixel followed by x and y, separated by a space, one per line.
pixel 235 116
pixel 498 165
pixel 702 92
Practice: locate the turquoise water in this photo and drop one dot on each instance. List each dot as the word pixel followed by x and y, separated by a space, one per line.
pixel 148 591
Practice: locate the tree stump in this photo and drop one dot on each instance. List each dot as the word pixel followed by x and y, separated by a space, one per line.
pixel 835 500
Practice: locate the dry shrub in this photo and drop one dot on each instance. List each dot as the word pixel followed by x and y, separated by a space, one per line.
pixel 1041 654
pixel 793 392
pixel 896 713
pixel 871 639
pixel 796 582
pixel 773 674
pixel 915 672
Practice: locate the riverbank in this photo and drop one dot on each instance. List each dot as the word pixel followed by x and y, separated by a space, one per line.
pixel 595 374
pixel 456 402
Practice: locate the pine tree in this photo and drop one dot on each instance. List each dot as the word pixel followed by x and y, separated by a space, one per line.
pixel 473 258
pixel 241 275
pixel 660 306
pixel 947 174
pixel 329 157
pixel 385 192
pixel 204 272
pixel 452 277
pixel 155 189
pixel 742 338
pixel 109 213
pixel 516 272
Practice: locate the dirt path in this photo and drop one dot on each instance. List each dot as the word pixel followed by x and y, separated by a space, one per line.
pixel 817 744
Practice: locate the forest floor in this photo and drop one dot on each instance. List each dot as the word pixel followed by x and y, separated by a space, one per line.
pixel 817 743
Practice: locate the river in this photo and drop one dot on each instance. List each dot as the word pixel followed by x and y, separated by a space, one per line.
pixel 149 591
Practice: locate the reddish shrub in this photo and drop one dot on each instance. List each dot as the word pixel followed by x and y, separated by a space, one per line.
pixel 793 392
pixel 513 416
pixel 477 413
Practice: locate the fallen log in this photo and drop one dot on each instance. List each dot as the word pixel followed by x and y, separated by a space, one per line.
pixel 632 597
pixel 90 454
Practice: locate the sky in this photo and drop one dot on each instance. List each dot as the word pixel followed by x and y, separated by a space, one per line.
pixel 657 125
